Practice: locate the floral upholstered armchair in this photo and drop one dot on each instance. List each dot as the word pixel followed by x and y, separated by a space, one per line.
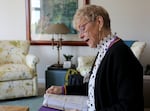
pixel 18 76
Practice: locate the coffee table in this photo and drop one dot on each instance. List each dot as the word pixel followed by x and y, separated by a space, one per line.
pixel 13 108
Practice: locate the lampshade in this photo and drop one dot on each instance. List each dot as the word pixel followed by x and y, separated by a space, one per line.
pixel 58 28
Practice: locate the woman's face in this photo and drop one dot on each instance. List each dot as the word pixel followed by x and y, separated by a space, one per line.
pixel 89 32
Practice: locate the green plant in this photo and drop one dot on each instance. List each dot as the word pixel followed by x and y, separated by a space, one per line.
pixel 68 57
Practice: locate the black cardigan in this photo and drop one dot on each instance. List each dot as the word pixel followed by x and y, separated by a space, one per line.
pixel 119 81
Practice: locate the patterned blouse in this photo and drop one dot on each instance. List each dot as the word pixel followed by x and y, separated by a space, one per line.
pixel 103 46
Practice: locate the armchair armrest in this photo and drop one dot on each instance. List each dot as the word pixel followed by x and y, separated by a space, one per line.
pixel 31 61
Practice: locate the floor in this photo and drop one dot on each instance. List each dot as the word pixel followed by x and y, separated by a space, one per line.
pixel 41 88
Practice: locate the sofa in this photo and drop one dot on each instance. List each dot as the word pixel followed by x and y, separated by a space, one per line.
pixel 146 92
pixel 85 63
pixel 18 75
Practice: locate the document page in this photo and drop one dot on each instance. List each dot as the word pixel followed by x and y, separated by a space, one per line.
pixel 65 102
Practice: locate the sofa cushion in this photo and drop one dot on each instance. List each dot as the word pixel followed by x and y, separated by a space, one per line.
pixel 138 48
pixel 10 48
pixel 15 72
pixel 129 42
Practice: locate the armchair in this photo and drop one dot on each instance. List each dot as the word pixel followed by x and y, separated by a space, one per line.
pixel 18 76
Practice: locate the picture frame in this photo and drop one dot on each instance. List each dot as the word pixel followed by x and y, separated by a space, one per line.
pixel 73 42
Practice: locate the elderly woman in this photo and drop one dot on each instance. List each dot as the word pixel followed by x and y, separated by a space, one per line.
pixel 116 78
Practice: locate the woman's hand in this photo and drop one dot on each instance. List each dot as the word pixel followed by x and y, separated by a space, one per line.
pixel 54 90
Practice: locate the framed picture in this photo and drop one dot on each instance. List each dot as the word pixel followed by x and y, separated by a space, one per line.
pixel 41 13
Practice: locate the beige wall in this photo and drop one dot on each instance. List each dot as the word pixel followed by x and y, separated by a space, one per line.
pixel 130 19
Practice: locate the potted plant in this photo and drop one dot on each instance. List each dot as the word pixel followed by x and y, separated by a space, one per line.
pixel 67 62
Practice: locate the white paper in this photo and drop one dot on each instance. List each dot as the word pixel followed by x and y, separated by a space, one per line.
pixel 65 102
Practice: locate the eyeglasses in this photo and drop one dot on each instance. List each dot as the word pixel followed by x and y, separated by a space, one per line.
pixel 82 27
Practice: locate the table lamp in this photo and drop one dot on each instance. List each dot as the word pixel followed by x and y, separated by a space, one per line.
pixel 57 29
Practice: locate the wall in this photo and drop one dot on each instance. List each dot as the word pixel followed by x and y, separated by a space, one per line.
pixel 130 19
pixel 12 19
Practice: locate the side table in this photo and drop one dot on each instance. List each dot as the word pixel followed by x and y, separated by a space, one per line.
pixel 55 75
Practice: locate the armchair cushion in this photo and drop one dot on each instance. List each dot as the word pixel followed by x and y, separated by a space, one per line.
pixel 12 51
pixel 15 72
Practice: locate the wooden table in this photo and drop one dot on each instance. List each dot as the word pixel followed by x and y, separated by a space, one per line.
pixel 13 108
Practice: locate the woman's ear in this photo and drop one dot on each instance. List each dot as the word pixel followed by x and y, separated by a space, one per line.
pixel 100 22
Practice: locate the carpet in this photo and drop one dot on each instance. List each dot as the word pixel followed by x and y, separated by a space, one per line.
pixel 34 103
